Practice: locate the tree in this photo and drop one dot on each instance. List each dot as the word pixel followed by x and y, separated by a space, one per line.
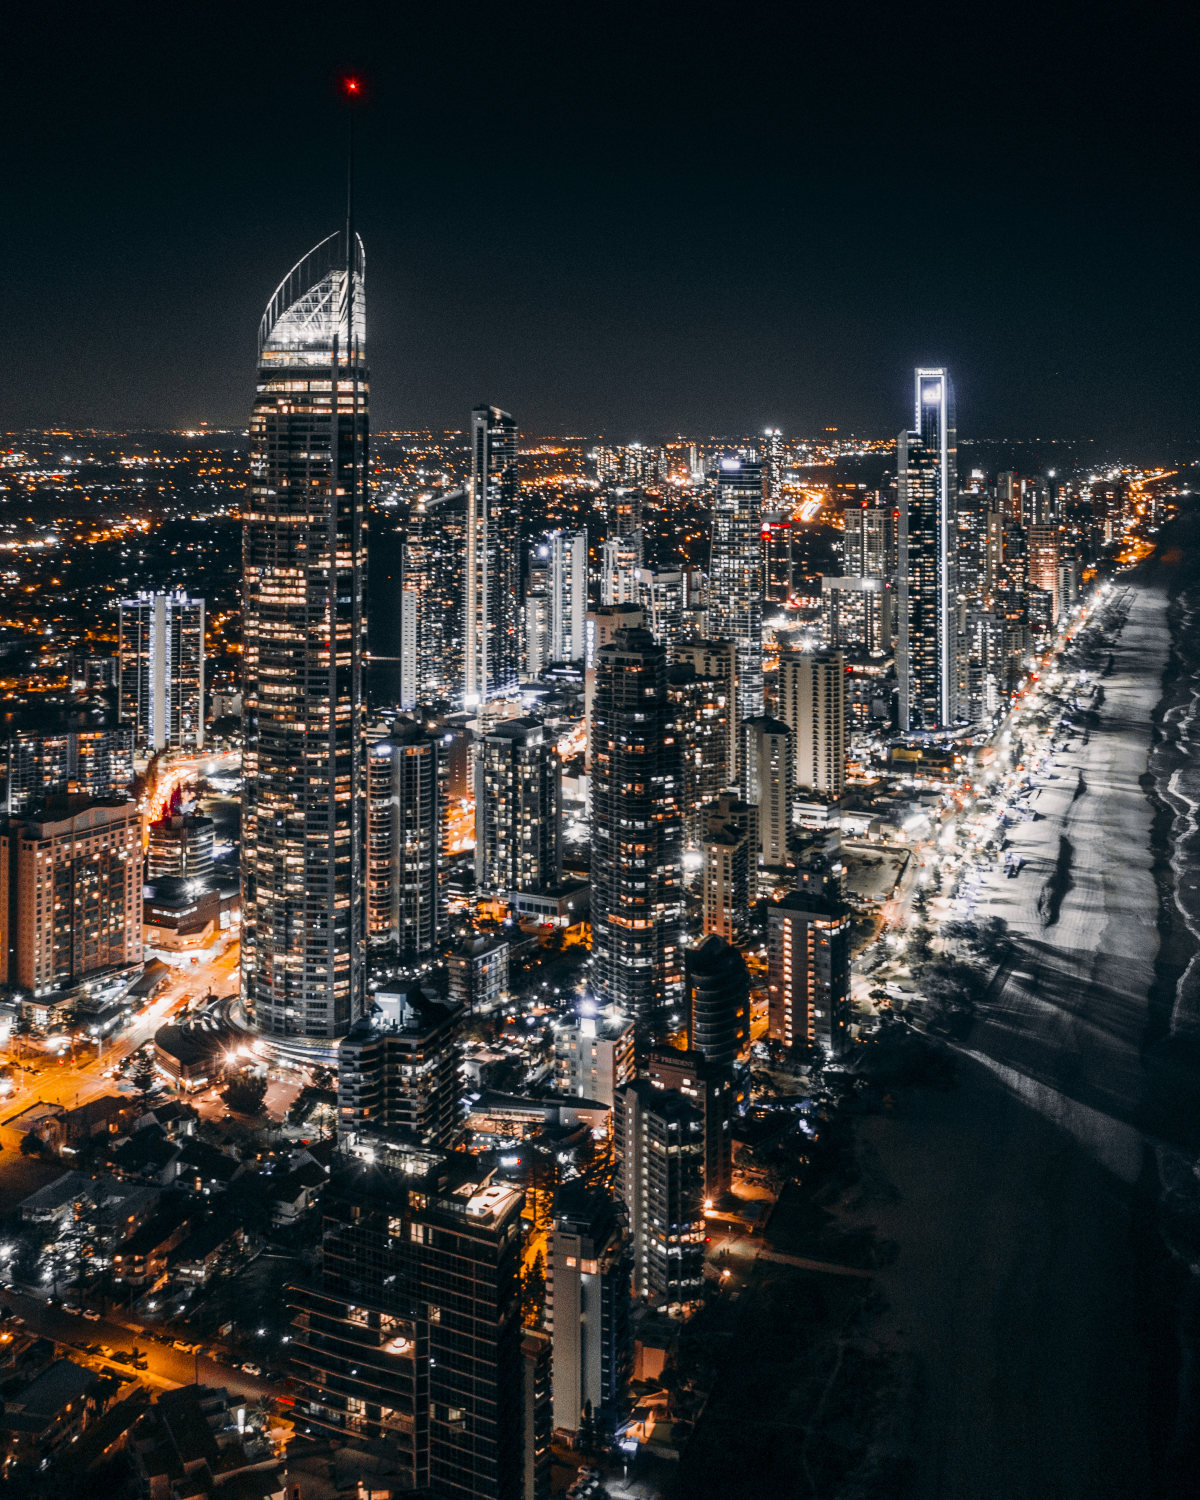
pixel 30 1144
pixel 245 1094
pixel 143 1075
pixel 533 1292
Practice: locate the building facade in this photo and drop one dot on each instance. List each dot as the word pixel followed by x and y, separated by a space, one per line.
pixel 735 576
pixel 518 811
pixel 70 893
pixel 492 636
pixel 808 972
pixel 404 839
pixel 812 702
pixel 160 657
pixel 637 833
pixel 926 658
pixel 303 563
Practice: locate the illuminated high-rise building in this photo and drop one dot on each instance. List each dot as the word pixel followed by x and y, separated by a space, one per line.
pixel 492 635
pixel 303 803
pixel 160 660
pixel 773 462
pixel 735 576
pixel 926 658
pixel 405 775
pixel 812 703
pixel 637 833
pixel 566 592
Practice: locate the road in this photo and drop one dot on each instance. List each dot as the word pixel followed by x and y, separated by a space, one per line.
pixel 74 1082
pixel 166 1367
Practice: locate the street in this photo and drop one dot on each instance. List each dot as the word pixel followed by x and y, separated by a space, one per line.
pixel 166 1367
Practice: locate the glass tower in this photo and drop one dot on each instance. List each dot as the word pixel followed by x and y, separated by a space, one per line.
pixel 303 555
pixel 926 658
pixel 493 572
pixel 735 577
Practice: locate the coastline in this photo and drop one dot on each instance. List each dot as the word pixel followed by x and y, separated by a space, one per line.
pixel 1038 1286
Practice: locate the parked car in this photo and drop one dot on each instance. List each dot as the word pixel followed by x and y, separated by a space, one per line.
pixel 250 1369
pixel 91 1314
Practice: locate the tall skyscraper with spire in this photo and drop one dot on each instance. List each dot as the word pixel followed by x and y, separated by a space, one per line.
pixel 493 570
pixel 926 657
pixel 303 560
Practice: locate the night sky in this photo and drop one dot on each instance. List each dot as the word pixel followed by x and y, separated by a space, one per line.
pixel 633 220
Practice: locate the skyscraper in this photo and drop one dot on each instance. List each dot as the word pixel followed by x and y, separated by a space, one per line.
pixel 773 461
pixel 409 1340
pixel 812 702
pixel 160 660
pixel 735 576
pixel 492 637
pixel 660 1147
pixel 926 657
pixel 303 555
pixel 588 1276
pixel 70 893
pixel 768 762
pixel 808 972
pixel 404 833
pixel 518 811
pixel 637 833
pixel 566 579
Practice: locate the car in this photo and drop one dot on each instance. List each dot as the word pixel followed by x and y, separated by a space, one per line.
pixel 181 1344
pixel 72 1307
pixel 250 1369
pixel 91 1314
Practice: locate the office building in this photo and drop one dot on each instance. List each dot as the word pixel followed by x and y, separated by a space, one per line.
pixel 808 972
pixel 492 657
pixel 926 657
pixel 405 773
pixel 772 463
pixel 637 833
pixel 729 873
pixel 593 1057
pixel 181 846
pixel 856 613
pixel 399 1070
pixel 518 811
pixel 621 562
pixel 812 702
pixel 70 893
pixel 660 1177
pixel 708 1088
pixel 600 628
pixel 718 660
pixel 43 764
pixel 588 1274
pixel 160 656
pixel 661 597
pixel 478 971
pixel 735 576
pixel 701 708
pixel 408 1343
pixel 538 1357
pixel 303 553
pixel 1043 565
pixel 766 781
pixel 778 570
pixel 869 542
pixel 433 647
pixel 718 1001
pixel 566 590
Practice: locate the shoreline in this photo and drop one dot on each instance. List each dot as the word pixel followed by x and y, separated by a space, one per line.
pixel 1036 1285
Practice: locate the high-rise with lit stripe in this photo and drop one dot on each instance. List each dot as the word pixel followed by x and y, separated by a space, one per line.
pixel 303 804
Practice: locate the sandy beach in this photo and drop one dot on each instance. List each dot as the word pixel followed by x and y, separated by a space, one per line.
pixel 1031 1284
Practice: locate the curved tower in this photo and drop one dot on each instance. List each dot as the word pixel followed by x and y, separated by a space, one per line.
pixel 304 632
